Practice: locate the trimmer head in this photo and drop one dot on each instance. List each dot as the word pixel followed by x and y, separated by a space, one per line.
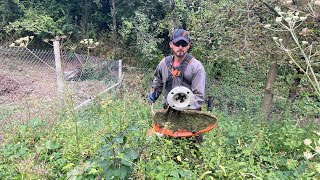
pixel 180 98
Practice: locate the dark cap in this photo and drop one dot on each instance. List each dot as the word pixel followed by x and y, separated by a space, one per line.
pixel 180 34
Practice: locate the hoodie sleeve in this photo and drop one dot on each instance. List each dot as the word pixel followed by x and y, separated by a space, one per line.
pixel 198 86
pixel 157 82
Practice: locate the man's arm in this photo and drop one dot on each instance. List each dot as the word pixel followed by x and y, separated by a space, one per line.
pixel 157 83
pixel 198 86
pixel 156 86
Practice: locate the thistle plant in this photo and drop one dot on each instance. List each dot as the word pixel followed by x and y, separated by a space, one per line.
pixel 290 22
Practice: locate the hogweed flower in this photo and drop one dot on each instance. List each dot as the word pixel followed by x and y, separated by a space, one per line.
pixel 308 155
pixel 303 18
pixel 288 19
pixel 307 142
pixel 288 2
pixel 277 9
pixel 296 18
pixel 267 26
pixel 278 19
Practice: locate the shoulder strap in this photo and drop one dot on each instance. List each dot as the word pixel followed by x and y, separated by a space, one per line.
pixel 168 85
pixel 168 60
pixel 183 66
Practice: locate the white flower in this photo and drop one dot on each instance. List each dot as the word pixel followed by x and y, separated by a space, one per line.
pixel 317 132
pixel 304 42
pixel 303 18
pixel 267 26
pixel 317 149
pixel 307 155
pixel 277 9
pixel 12 45
pixel 22 45
pixel 288 19
pixel 18 41
pixel 307 142
pixel 288 2
pixel 25 38
pixel 278 19
pixel 295 18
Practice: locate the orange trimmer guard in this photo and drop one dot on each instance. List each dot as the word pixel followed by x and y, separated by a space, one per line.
pixel 185 123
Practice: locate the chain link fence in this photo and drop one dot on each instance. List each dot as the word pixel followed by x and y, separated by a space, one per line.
pixel 29 88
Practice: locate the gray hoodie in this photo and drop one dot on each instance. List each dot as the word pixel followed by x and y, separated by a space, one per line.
pixel 193 73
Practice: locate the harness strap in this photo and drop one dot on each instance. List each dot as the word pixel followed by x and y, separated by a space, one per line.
pixel 177 72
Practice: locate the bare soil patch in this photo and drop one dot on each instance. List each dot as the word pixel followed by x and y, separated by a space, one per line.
pixel 30 90
pixel 13 88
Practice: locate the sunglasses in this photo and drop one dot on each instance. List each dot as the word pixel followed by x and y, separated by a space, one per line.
pixel 181 43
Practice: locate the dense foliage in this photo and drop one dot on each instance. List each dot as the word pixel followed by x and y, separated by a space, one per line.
pixel 238 43
pixel 109 140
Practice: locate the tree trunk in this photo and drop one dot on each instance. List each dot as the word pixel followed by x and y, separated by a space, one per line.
pixel 269 89
pixel 114 29
pixel 294 87
pixel 86 8
pixel 174 19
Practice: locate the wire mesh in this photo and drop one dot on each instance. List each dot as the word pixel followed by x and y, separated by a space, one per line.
pixel 28 82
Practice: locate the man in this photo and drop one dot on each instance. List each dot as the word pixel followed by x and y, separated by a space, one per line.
pixel 179 69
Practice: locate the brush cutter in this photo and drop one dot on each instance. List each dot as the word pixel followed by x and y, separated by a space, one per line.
pixel 177 120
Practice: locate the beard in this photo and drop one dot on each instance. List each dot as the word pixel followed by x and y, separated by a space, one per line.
pixel 179 53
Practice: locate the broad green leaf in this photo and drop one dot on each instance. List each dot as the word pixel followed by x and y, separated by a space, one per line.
pixel 51 145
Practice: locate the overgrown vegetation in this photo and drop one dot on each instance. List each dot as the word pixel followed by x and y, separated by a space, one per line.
pixel 247 73
pixel 113 143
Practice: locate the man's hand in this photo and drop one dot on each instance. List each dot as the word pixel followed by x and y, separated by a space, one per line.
pixel 153 96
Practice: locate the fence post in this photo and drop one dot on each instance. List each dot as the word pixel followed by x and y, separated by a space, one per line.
pixel 120 71
pixel 59 72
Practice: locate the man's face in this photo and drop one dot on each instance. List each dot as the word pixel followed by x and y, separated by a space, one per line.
pixel 179 48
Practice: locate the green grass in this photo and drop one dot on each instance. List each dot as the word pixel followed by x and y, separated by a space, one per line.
pixel 112 140
pixel 108 140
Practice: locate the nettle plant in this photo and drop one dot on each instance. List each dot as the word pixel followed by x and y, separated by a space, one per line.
pixel 304 54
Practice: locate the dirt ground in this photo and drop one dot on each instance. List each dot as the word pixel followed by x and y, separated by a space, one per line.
pixel 29 91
